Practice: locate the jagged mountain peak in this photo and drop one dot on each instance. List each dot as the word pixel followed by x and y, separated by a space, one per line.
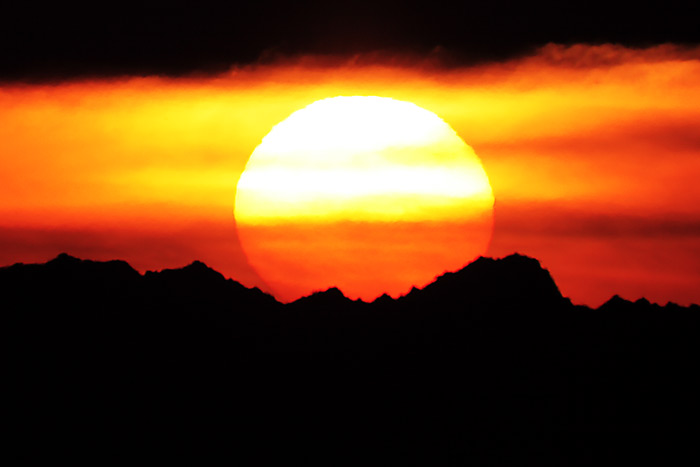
pixel 195 271
pixel 65 258
pixel 66 266
pixel 493 282
pixel 330 297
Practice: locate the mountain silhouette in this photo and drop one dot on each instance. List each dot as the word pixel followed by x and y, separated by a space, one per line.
pixel 488 365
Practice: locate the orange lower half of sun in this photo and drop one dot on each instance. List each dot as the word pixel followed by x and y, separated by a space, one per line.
pixel 363 259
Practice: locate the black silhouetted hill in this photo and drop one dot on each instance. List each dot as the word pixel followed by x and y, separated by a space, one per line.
pixel 513 281
pixel 488 365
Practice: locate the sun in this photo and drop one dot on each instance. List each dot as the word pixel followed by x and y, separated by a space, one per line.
pixel 368 194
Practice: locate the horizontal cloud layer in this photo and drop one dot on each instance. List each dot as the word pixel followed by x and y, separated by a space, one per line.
pixel 66 40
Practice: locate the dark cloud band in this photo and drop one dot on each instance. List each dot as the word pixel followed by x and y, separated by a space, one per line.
pixel 178 38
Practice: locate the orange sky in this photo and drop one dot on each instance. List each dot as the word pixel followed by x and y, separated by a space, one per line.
pixel 593 154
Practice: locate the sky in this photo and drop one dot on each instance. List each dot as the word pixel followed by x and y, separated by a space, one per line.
pixel 124 135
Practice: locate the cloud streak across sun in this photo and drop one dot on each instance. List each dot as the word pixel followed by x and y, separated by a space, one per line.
pixel 573 139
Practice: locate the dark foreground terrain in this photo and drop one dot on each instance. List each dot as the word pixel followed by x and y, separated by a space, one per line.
pixel 486 366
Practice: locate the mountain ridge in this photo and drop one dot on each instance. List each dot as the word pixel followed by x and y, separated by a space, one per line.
pixel 488 365
pixel 508 269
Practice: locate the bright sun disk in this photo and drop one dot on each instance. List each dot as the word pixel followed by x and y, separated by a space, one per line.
pixel 368 194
